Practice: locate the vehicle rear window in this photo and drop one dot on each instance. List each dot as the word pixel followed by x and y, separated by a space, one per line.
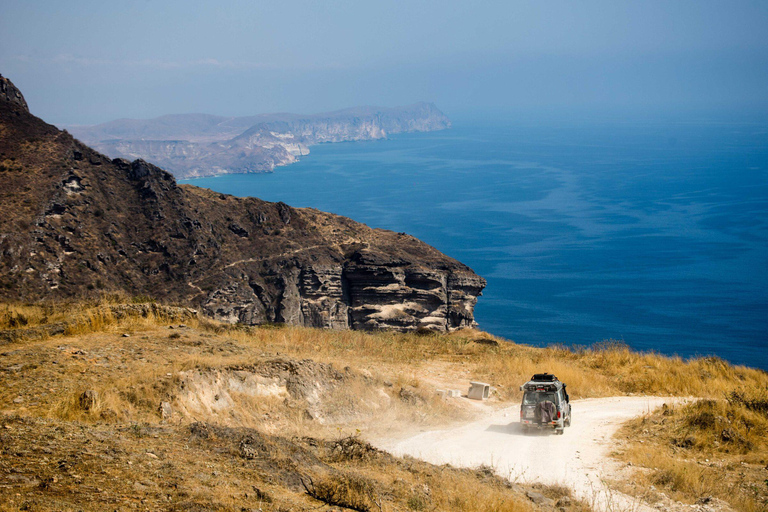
pixel 533 397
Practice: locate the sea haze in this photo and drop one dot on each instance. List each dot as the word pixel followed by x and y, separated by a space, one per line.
pixel 647 232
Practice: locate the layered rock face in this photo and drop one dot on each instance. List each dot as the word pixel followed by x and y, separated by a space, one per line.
pixel 365 297
pixel 203 145
pixel 79 224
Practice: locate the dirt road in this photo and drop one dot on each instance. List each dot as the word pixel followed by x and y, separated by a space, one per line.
pixel 578 459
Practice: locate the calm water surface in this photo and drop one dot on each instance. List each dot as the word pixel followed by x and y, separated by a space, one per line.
pixel 655 234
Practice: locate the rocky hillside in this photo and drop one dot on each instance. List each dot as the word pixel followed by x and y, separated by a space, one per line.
pixel 77 223
pixel 202 145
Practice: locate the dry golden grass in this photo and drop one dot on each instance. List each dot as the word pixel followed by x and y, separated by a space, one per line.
pixel 409 361
pixel 602 370
pixel 19 316
pixel 80 316
pixel 715 448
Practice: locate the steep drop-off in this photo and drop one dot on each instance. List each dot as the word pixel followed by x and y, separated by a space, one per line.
pixel 191 145
pixel 76 223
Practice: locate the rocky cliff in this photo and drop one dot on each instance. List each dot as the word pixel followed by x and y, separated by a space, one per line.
pixel 202 145
pixel 77 223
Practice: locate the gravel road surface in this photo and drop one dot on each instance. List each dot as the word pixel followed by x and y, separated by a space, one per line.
pixel 578 459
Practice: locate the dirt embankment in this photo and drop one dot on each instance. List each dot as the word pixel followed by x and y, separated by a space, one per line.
pixel 151 416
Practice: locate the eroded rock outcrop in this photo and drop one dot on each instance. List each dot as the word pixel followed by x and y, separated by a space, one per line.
pixel 77 223
pixel 351 295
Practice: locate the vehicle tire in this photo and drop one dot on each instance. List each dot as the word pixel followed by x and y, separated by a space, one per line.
pixel 568 421
pixel 560 431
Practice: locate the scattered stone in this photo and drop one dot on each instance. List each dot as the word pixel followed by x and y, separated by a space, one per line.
pixel 540 499
pixel 126 335
pixel 250 446
pixel 686 442
pixel 165 410
pixel 729 435
pixel 18 400
pixel 152 455
pixel 710 504
pixel 410 396
pixel 88 400
pixel 22 480
pixel 261 495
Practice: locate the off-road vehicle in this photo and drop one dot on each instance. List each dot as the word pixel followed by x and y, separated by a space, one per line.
pixel 545 404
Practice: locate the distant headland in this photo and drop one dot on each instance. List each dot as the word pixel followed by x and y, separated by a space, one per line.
pixel 196 145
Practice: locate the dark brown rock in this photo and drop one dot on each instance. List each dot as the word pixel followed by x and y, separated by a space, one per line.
pixel 88 400
pixel 9 93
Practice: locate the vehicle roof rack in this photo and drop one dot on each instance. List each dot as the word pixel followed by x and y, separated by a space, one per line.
pixel 543 377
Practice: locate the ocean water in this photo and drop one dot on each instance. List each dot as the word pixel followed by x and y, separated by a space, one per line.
pixel 648 232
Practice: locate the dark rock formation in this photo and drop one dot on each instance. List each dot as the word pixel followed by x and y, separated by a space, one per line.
pixel 9 92
pixel 76 223
pixel 201 145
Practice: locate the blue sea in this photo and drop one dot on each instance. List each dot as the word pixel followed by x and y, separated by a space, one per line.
pixel 654 233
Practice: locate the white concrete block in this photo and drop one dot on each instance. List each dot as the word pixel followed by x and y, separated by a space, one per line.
pixel 479 390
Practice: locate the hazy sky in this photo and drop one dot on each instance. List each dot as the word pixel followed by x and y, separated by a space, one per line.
pixel 81 61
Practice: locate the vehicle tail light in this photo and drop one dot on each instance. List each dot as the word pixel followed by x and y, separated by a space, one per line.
pixel 558 414
pixel 521 413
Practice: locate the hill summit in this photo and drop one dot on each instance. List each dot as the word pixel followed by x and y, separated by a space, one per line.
pixel 77 223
